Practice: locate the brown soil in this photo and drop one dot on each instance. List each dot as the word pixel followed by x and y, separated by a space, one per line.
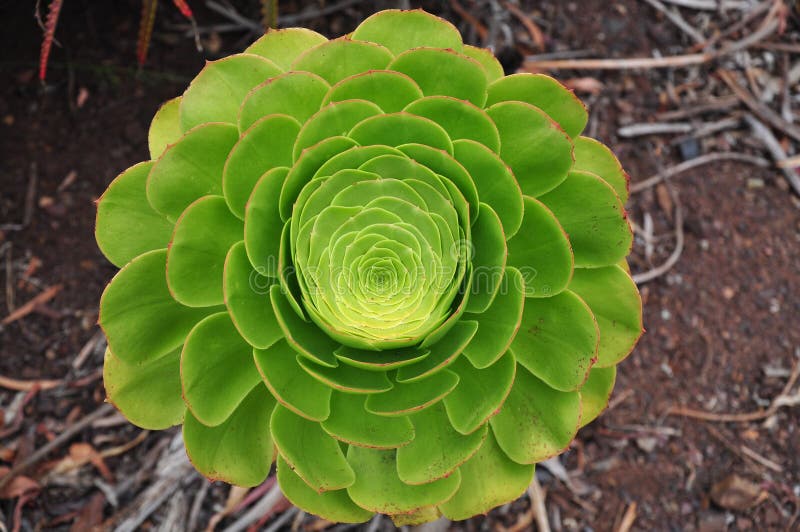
pixel 717 323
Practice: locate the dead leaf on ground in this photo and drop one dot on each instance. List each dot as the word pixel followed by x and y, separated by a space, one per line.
pixel 91 515
pixel 81 454
pixel 664 200
pixel 585 85
pixel 18 486
pixel 736 493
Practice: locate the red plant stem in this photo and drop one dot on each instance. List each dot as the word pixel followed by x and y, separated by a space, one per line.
pixel 145 29
pixel 49 34
pixel 184 8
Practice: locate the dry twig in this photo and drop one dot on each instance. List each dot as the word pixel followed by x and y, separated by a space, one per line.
pixel 675 17
pixel 87 349
pixel 10 383
pixel 744 21
pixel 533 30
pixel 670 61
pixel 538 508
pixel 775 405
pixel 718 104
pixel 59 440
pixel 480 28
pixel 649 275
pixel 762 111
pixel 264 505
pixel 628 518
pixel 657 128
pixel 762 132
pixel 32 304
pixel 711 5
pixel 173 469
pixel 744 452
pixel 694 163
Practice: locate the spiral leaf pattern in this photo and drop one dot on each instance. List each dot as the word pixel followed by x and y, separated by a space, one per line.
pixel 375 260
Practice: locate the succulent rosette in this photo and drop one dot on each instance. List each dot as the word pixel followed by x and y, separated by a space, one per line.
pixel 375 260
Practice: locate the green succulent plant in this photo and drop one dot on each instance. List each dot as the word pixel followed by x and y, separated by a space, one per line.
pixel 375 260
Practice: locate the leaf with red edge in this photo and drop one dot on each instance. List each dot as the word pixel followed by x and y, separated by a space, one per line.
pixel 49 34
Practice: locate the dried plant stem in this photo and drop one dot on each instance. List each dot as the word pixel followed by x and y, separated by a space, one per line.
pixel 40 453
pixel 776 404
pixel 269 14
pixel 649 275
pixel 538 508
pixel 694 163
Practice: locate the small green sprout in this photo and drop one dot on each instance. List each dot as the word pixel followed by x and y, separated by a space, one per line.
pixel 375 260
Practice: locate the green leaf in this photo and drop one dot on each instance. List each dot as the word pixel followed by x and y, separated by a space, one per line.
pixel 310 162
pixel 342 58
pixel 542 251
pixel 443 163
pixel 489 260
pixel 165 129
pixel 126 225
pixel 310 451
pixel 536 421
pixel 335 506
pixel 265 146
pixel 351 423
pixel 443 353
pixel 378 487
pixel 283 46
pixel 239 451
pixel 138 316
pixel 246 295
pixel 545 93
pixel 203 235
pixel 403 30
pixel 444 73
pixel 354 158
pixel 287 275
pixel 480 392
pixel 380 360
pixel 495 183
pixel 408 397
pixel 615 302
pixel 296 94
pixel 487 60
pixel 437 450
pixel 536 149
pixel 488 480
pixel 335 119
pixel 262 223
pixel 591 213
pixel 593 156
pixel 346 378
pixel 401 128
pixel 305 337
pixel 557 340
pixel 217 369
pixel 461 119
pixel 596 393
pixel 417 517
pixel 149 394
pixel 391 91
pixel 498 325
pixel 290 384
pixel 190 168
pixel 218 91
